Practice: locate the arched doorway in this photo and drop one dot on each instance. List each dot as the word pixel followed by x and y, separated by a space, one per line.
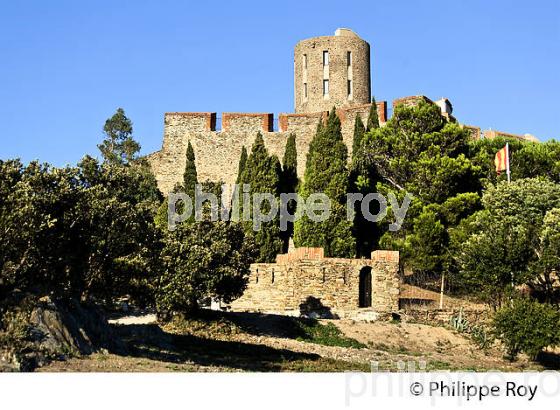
pixel 365 287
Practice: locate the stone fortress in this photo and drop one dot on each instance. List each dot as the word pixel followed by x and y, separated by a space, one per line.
pixel 328 71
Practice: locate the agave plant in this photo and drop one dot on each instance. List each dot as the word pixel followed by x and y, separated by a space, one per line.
pixel 459 322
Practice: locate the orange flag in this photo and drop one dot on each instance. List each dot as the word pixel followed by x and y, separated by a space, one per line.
pixel 502 160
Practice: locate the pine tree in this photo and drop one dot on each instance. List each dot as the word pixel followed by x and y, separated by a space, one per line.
pixel 359 131
pixel 190 175
pixel 118 147
pixel 326 172
pixel 262 172
pixel 373 117
pixel 242 163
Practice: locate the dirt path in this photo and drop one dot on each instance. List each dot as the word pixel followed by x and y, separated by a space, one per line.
pixel 145 319
pixel 251 342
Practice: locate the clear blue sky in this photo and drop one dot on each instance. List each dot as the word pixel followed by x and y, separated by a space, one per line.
pixel 65 66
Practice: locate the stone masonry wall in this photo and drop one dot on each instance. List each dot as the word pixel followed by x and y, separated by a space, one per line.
pixel 310 72
pixel 283 286
pixel 217 152
pixel 474 131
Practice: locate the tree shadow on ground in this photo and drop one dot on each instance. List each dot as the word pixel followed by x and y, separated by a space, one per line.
pixel 151 342
pixel 263 324
pixel 549 360
pixel 312 307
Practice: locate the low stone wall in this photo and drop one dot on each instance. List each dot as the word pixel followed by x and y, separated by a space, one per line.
pixel 440 317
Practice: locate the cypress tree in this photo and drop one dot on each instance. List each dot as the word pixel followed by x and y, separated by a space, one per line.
pixel 190 176
pixel 242 162
pixel 326 172
pixel 262 172
pixel 359 131
pixel 289 166
pixel 373 117
pixel 190 179
pixel 289 183
pixel 361 227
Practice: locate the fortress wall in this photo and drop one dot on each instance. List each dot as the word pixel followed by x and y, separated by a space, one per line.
pixel 299 122
pixel 304 126
pixel 283 286
pixel 168 164
pixel 474 131
pixel 411 101
pixel 247 122
pixel 491 134
pixel 382 112
pixel 217 153
pixel 348 115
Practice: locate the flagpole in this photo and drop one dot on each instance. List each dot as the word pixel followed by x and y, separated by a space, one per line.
pixel 507 163
pixel 509 181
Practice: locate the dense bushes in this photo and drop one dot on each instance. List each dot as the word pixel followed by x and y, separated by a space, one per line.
pixel 511 242
pixel 420 153
pixel 88 232
pixel 85 231
pixel 203 260
pixel 527 326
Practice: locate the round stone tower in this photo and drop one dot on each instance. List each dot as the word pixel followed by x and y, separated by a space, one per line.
pixel 331 71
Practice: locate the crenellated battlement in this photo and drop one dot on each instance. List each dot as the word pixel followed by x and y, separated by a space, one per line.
pixel 196 121
pixel 247 122
pixel 363 110
pixel 264 122
pixel 217 149
pixel 293 122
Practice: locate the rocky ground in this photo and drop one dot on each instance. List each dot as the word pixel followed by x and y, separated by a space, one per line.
pixel 254 342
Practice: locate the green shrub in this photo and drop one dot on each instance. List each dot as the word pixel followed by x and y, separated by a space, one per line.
pixel 325 334
pixel 203 260
pixel 15 330
pixel 527 326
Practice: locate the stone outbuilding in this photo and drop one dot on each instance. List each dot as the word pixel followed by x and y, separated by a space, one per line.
pixel 305 282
